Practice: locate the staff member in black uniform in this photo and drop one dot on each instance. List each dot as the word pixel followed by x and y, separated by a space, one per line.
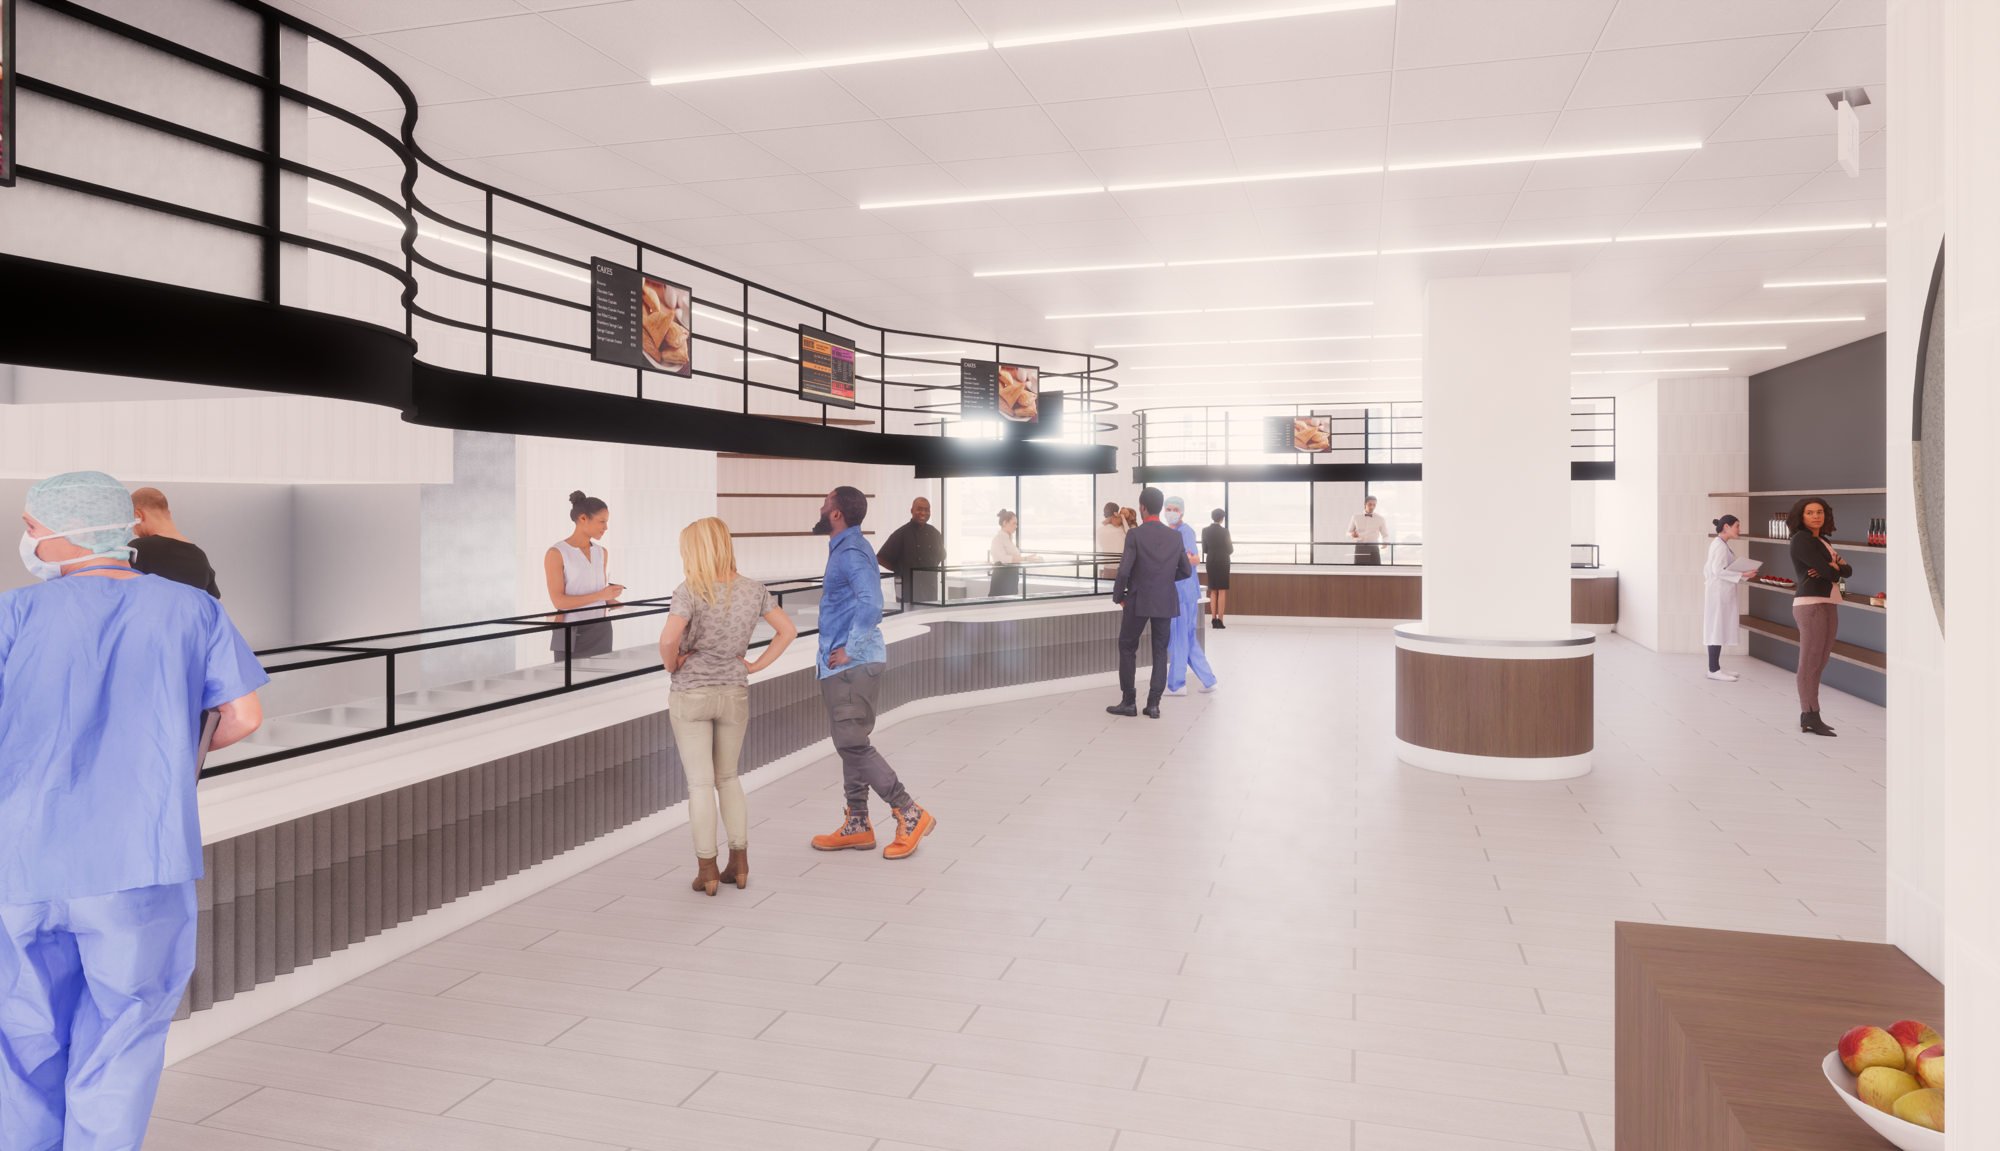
pixel 159 548
pixel 915 545
pixel 1215 549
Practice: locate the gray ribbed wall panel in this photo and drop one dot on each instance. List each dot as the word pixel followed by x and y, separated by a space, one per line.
pixel 276 899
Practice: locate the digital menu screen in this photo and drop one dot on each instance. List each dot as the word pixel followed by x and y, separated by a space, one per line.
pixel 6 93
pixel 640 321
pixel 1009 391
pixel 826 368
pixel 1311 434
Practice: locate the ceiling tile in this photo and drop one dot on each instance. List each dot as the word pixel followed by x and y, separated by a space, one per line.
pixel 1114 66
pixel 1502 88
pixel 771 193
pixel 1606 171
pixel 1629 125
pixel 1153 163
pixel 984 133
pixel 430 84
pixel 934 85
pixel 1440 32
pixel 769 253
pixel 653 39
pixel 1407 214
pixel 866 246
pixel 1644 23
pixel 659 202
pixel 1853 13
pixel 1077 234
pixel 1223 201
pixel 578 169
pixel 823 224
pixel 721 157
pixel 1619 200
pixel 1869 188
pixel 1003 19
pixel 1840 58
pixel 1130 121
pixel 1773 115
pixel 1680 72
pixel 1295 151
pixel 837 147
pixel 907 181
pixel 485 53
pixel 1470 138
pixel 620 113
pixel 1330 44
pixel 1799 154
pixel 1483 180
pixel 367 16
pixel 1745 191
pixel 788 100
pixel 1024 173
pixel 816 28
pixel 1304 105
pixel 491 128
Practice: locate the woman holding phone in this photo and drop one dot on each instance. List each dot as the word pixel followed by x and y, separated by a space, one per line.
pixel 703 644
pixel 1818 569
pixel 576 572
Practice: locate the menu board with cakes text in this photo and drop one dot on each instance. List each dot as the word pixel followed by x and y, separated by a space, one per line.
pixel 826 368
pixel 7 93
pixel 1310 434
pixel 1009 391
pixel 640 321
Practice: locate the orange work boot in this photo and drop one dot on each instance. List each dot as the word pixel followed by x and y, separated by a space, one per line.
pixel 855 833
pixel 912 824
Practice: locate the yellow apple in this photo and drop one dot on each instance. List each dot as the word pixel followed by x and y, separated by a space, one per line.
pixel 1866 1047
pixel 1925 1108
pixel 1880 1087
pixel 1914 1037
pixel 1930 1066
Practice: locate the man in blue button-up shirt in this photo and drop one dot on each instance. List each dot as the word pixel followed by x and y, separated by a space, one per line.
pixel 852 658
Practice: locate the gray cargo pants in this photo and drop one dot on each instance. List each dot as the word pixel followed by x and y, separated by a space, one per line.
pixel 850 696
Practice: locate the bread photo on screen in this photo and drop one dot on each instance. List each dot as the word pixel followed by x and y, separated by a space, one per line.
pixel 1018 392
pixel 663 324
pixel 1311 434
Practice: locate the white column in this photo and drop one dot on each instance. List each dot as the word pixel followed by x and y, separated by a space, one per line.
pixel 1496 457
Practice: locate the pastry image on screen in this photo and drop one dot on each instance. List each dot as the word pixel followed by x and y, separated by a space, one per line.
pixel 1312 433
pixel 666 326
pixel 1020 393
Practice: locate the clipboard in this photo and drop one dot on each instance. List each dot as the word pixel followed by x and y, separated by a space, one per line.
pixel 1746 566
pixel 211 718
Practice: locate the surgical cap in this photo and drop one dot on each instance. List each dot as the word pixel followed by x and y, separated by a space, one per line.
pixel 1176 502
pixel 85 500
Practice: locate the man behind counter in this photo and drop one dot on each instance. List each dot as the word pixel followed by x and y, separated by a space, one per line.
pixel 914 545
pixel 159 548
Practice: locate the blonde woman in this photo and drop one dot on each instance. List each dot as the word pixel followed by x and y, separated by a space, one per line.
pixel 708 631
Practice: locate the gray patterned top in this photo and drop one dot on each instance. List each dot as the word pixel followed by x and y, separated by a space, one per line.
pixel 718 634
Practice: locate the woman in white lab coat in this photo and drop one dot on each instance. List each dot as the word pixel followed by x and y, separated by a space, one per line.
pixel 1719 577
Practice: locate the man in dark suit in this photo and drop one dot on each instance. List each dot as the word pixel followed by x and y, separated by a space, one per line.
pixel 1154 559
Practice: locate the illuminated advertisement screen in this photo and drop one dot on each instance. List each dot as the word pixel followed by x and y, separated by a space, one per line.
pixel 6 93
pixel 1310 434
pixel 640 321
pixel 1009 391
pixel 826 368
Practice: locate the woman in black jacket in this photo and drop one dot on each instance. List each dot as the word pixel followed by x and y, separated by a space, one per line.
pixel 1818 570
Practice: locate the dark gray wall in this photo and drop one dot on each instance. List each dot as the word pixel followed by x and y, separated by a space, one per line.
pixel 1817 423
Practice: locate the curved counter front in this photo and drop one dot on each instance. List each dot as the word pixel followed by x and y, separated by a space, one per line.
pixel 1495 708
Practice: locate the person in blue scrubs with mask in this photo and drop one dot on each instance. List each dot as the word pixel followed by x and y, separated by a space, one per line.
pixel 104 675
pixel 1182 650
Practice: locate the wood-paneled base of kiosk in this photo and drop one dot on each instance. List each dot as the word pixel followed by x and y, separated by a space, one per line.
pixel 1495 709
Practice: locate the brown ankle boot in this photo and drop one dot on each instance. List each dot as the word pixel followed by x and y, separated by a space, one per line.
pixel 738 870
pixel 705 878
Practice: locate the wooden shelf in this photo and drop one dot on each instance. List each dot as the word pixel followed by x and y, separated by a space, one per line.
pixel 1858 656
pixel 1820 492
pixel 1849 545
pixel 1851 601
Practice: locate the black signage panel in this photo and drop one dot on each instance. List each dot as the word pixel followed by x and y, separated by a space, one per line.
pixel 978 389
pixel 640 321
pixel 826 368
pixel 7 136
pixel 1007 391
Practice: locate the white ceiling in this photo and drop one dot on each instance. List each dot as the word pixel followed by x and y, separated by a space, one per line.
pixel 765 175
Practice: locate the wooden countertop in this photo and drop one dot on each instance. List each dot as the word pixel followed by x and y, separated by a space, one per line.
pixel 1721 1034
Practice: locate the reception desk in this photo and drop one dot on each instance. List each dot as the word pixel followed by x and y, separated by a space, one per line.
pixel 1345 592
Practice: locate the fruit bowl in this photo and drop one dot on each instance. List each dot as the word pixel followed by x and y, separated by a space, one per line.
pixel 1907 1136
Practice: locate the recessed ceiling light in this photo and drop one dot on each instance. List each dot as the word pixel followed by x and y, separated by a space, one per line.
pixel 1647 371
pixel 1238 17
pixel 1723 324
pixel 1747 232
pixel 1682 351
pixel 1269 340
pixel 1825 283
pixel 1266 259
pixel 1208 311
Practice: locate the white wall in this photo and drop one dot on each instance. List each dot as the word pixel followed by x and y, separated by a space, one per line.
pixel 780 509
pixel 1628 515
pixel 1496 410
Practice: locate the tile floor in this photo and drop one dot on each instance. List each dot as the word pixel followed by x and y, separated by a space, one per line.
pixel 1243 926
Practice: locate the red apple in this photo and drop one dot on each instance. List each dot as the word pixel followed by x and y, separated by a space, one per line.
pixel 1930 1066
pixel 1925 1108
pixel 1869 1046
pixel 1914 1037
pixel 1880 1087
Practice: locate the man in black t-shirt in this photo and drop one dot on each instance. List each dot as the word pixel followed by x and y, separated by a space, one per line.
pixel 914 545
pixel 160 549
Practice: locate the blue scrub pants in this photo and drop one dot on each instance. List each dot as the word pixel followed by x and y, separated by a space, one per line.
pixel 87 989
pixel 1182 650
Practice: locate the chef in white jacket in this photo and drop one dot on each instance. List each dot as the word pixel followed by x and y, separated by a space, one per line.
pixel 1719 577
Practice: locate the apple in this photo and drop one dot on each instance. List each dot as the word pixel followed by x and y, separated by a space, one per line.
pixel 1925 1108
pixel 1914 1037
pixel 1930 1066
pixel 1869 1046
pixel 1880 1087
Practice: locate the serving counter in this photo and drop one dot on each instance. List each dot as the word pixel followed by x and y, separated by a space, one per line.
pixel 1357 594
pixel 323 867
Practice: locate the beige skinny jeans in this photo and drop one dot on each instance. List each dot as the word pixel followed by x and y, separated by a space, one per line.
pixel 708 727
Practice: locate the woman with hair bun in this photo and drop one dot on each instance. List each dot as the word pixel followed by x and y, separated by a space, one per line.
pixel 576 570
pixel 1719 577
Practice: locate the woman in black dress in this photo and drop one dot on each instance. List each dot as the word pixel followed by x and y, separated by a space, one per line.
pixel 1215 548
pixel 1818 570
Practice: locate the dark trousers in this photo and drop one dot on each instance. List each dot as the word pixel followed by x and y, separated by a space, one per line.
pixel 1128 655
pixel 851 694
pixel 1368 554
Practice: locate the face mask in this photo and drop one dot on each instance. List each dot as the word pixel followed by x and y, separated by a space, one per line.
pixel 42 569
pixel 1173 517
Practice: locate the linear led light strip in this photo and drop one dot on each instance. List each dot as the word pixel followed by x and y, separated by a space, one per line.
pixel 1648 371
pixel 1686 351
pixel 455 240
pixel 1209 311
pixel 1725 324
pixel 1270 340
pixel 1323 380
pixel 1022 41
pixel 1264 364
pixel 1493 247
pixel 1827 283
pixel 1271 177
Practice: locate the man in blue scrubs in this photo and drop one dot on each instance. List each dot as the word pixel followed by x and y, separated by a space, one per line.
pixel 1184 648
pixel 104 674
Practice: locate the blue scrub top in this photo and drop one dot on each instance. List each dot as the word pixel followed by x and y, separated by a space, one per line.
pixel 1188 589
pixel 102 685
